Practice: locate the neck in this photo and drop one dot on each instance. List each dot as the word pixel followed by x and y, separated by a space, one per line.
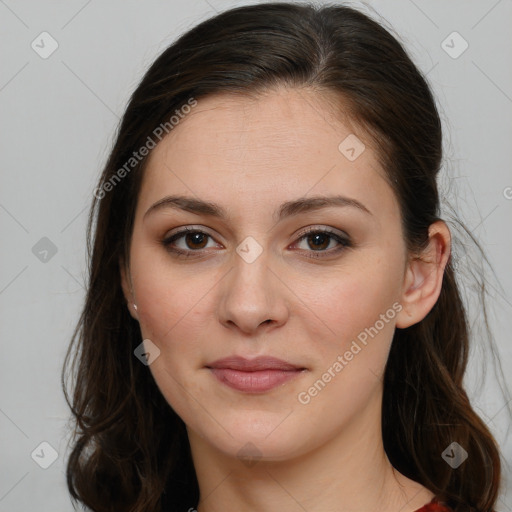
pixel 348 472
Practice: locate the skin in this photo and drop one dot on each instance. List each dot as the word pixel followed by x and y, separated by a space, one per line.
pixel 249 155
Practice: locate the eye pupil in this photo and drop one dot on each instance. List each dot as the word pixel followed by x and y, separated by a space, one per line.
pixel 320 236
pixel 196 238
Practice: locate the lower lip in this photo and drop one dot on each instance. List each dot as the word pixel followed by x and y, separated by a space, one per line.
pixel 254 382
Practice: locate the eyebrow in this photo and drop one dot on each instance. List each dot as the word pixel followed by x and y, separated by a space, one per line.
pixel 287 209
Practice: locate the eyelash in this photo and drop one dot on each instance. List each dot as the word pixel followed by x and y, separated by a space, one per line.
pixel 344 242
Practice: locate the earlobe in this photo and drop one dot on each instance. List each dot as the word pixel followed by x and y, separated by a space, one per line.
pixel 127 290
pixel 424 277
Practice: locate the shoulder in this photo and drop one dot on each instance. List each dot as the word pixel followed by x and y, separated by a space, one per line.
pixel 435 506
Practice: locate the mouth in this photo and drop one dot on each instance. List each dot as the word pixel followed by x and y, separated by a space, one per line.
pixel 254 375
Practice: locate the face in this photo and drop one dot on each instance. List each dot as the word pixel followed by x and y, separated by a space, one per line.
pixel 314 285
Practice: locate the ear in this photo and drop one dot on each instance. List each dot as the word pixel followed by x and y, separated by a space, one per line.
pixel 127 288
pixel 424 277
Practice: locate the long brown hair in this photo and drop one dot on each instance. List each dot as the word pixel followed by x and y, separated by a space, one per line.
pixel 130 450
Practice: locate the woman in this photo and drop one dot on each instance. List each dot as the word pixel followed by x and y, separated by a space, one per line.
pixel 272 319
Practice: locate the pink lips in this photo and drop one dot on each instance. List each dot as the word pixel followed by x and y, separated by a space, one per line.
pixel 253 375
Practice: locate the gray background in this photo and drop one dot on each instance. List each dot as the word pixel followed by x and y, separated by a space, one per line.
pixel 58 118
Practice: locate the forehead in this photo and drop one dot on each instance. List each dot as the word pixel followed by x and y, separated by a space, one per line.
pixel 257 150
pixel 268 123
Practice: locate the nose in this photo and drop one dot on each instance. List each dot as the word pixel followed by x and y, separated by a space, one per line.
pixel 252 295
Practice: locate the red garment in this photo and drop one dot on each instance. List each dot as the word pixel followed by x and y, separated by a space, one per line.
pixel 435 506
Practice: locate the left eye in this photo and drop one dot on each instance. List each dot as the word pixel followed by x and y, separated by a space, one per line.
pixel 320 239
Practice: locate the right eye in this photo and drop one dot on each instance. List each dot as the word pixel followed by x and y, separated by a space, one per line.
pixel 194 241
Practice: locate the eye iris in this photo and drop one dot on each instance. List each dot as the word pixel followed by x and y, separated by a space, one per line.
pixel 196 238
pixel 318 236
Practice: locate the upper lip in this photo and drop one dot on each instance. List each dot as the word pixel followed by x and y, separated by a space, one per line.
pixel 252 365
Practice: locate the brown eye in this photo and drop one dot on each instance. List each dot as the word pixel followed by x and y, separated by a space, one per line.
pixel 191 241
pixel 323 242
pixel 196 240
pixel 318 240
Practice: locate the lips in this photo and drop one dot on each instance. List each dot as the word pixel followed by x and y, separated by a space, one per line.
pixel 254 375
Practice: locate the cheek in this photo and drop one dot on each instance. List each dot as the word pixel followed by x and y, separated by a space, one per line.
pixel 171 312
pixel 174 306
pixel 357 307
pixel 351 298
pixel 165 292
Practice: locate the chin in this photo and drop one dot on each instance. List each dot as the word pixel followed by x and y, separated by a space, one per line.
pixel 256 436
